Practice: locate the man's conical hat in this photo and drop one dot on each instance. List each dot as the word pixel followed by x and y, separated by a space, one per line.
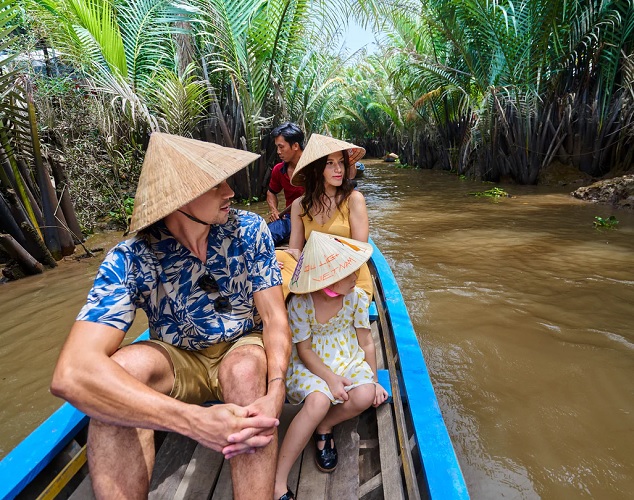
pixel 319 146
pixel 327 259
pixel 177 170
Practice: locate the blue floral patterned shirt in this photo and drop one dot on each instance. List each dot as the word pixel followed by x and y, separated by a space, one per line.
pixel 155 272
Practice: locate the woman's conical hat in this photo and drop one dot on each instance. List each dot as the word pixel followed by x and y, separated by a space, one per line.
pixel 327 259
pixel 319 146
pixel 177 170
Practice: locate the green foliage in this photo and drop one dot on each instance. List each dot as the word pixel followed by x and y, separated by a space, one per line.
pixel 605 223
pixel 481 88
pixel 247 201
pixel 56 86
pixel 495 192
pixel 122 214
pixel 180 102
pixel 123 47
pixel 500 88
pixel 398 164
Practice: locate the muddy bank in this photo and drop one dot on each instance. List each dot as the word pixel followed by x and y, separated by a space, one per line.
pixel 618 191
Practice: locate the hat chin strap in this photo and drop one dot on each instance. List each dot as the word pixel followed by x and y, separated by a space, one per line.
pixel 330 292
pixel 195 219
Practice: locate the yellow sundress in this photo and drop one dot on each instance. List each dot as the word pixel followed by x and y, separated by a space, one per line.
pixel 338 225
pixel 335 342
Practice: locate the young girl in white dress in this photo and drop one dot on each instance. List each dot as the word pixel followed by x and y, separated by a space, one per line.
pixel 333 364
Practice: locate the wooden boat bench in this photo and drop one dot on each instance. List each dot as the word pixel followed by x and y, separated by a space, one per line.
pixel 185 469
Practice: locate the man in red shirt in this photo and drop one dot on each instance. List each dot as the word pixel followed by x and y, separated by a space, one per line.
pixel 289 141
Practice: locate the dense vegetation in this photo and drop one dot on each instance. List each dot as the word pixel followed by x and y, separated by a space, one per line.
pixel 489 89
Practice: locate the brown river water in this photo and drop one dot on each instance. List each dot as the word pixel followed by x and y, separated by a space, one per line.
pixel 523 309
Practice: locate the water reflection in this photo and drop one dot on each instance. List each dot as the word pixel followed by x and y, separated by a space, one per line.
pixel 523 309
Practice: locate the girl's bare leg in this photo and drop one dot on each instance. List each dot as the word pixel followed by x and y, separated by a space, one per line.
pixel 359 399
pixel 315 408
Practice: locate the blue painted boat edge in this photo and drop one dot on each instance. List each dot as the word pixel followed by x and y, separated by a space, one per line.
pixel 36 451
pixel 444 476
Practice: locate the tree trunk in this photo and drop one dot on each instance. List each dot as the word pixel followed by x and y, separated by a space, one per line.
pixel 32 201
pixel 42 254
pixel 17 252
pixel 8 223
pixel 51 234
pixel 22 230
pixel 184 48
pixel 62 185
pixel 27 176
pixel 14 176
pixel 66 238
pixel 216 110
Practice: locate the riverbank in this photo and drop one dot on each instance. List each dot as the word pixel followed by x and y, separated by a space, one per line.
pixel 617 191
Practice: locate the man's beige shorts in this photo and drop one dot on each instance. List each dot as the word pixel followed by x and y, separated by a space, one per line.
pixel 196 372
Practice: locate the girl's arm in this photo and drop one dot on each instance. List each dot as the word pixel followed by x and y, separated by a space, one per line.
pixel 367 344
pixel 359 224
pixel 335 382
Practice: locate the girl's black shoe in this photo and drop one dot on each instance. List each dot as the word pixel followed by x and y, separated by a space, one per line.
pixel 327 458
pixel 289 495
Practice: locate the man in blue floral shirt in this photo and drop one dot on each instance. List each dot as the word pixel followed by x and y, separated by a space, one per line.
pixel 207 278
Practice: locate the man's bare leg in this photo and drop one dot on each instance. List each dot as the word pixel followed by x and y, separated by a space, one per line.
pixel 121 459
pixel 243 380
pixel 126 473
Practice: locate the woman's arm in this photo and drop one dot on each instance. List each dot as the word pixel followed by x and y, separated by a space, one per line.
pixel 367 344
pixel 359 224
pixel 296 240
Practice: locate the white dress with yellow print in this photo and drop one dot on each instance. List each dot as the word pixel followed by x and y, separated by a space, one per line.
pixel 335 342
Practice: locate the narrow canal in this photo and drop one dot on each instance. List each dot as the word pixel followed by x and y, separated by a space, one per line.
pixel 523 309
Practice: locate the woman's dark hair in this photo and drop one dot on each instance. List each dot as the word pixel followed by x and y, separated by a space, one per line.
pixel 314 190
pixel 291 133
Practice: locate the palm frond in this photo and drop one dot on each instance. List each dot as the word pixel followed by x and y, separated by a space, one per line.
pixel 181 101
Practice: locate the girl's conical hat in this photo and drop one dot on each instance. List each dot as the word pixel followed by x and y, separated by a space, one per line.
pixel 319 146
pixel 327 259
pixel 177 170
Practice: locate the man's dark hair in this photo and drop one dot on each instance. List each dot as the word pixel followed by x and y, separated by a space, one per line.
pixel 291 133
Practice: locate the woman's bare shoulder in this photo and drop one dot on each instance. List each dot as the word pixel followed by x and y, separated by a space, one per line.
pixel 356 197
pixel 296 205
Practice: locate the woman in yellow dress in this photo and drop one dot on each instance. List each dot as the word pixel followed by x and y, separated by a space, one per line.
pixel 330 203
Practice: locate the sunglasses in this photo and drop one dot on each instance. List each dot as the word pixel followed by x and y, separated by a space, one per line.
pixel 208 284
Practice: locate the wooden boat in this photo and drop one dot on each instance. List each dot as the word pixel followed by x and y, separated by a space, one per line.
pixel 391 157
pixel 400 450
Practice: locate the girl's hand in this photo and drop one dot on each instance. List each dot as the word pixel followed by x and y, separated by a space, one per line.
pixel 337 385
pixel 380 395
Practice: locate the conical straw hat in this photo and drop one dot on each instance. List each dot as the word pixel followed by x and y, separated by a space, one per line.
pixel 327 259
pixel 319 146
pixel 177 170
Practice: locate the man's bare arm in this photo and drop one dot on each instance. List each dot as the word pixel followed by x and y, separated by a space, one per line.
pixel 277 340
pixel 88 377
pixel 271 200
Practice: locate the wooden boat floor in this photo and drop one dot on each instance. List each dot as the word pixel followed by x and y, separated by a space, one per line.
pixel 184 469
pixel 369 466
